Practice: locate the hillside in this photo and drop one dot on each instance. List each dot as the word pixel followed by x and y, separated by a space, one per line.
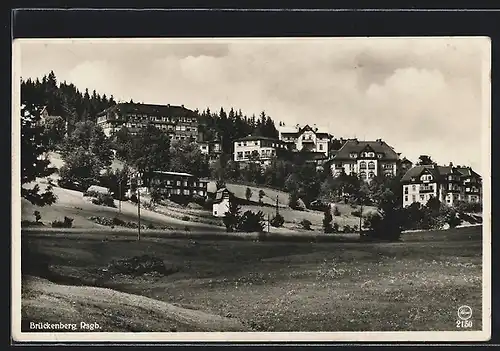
pixel 112 310
pixel 71 203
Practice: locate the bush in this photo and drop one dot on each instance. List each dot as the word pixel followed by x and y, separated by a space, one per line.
pixel 37 215
pixel 104 200
pixel 327 222
pixel 66 223
pixel 356 213
pixel 382 227
pixel 277 221
pixel 186 218
pixel 139 265
pixel 306 224
pixel 335 228
pixel 348 229
pixel 336 211
pixel 134 199
pixel 251 222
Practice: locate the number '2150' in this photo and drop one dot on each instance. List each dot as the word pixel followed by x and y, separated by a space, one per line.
pixel 464 324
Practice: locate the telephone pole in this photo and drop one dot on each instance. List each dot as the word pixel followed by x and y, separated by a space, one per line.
pixel 139 207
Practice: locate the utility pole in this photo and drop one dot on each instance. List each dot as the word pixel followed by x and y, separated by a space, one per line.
pixel 139 207
pixel 268 222
pixel 120 194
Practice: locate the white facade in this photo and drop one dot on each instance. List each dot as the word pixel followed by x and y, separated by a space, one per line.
pixel 307 138
pixel 265 149
pixel 219 209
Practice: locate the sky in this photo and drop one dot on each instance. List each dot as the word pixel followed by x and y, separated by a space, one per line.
pixel 420 95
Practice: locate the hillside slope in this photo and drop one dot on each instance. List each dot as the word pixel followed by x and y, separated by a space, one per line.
pixel 113 311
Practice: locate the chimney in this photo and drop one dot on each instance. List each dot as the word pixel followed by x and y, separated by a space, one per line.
pixel 182 106
pixel 451 164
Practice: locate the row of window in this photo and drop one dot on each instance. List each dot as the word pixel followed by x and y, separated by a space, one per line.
pixel 184 183
pixel 186 192
pixel 263 143
pixel 365 154
pixel 161 118
pixel 240 155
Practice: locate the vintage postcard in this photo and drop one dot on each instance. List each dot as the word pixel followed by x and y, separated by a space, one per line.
pixel 251 189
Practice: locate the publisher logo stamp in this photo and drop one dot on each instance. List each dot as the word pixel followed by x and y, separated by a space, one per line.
pixel 464 315
pixel 464 312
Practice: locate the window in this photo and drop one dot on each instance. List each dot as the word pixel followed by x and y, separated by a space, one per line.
pixel 406 190
pixel 178 183
pixel 256 143
pixel 380 155
pixel 186 191
pixel 371 175
pixel 413 198
pixel 421 197
pixel 413 187
pixel 320 147
pixel 362 175
pixel 185 183
pixel 239 144
pixel 406 197
pixel 371 165
pixel 240 154
pixel 362 165
pixel 168 182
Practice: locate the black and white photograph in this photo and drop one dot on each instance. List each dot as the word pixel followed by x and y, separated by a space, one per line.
pixel 251 189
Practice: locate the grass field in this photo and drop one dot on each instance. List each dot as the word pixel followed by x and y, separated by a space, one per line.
pixel 416 284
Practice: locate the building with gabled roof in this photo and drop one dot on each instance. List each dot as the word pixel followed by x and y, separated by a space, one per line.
pixel 448 184
pixel 255 148
pixel 367 159
pixel 306 138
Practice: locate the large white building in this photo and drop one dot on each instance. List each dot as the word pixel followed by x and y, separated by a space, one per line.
pixel 306 138
pixel 366 159
pixel 257 149
pixel 446 183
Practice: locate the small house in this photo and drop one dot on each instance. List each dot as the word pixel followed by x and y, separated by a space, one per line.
pixel 221 202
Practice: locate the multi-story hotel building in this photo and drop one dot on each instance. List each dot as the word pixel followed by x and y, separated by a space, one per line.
pixel 180 184
pixel 306 138
pixel 257 148
pixel 446 183
pixel 366 159
pixel 178 122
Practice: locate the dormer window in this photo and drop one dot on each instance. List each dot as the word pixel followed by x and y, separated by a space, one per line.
pixel 380 156
pixel 371 154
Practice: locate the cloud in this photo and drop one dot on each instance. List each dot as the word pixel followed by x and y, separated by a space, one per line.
pixel 421 95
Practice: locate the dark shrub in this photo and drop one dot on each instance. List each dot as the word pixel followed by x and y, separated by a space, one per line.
pixel 150 226
pixel 356 213
pixel 139 265
pixel 348 229
pixel 335 228
pixel 133 198
pixel 336 211
pixel 251 222
pixel 327 221
pixel 277 221
pixel 37 215
pixel 186 218
pixel 118 221
pixel 306 224
pixel 383 227
pixel 66 223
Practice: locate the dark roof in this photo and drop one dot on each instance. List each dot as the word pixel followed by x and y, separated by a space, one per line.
pixel 220 192
pixel 436 171
pixel 405 160
pixel 257 137
pixel 354 145
pixel 467 172
pixel 150 109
